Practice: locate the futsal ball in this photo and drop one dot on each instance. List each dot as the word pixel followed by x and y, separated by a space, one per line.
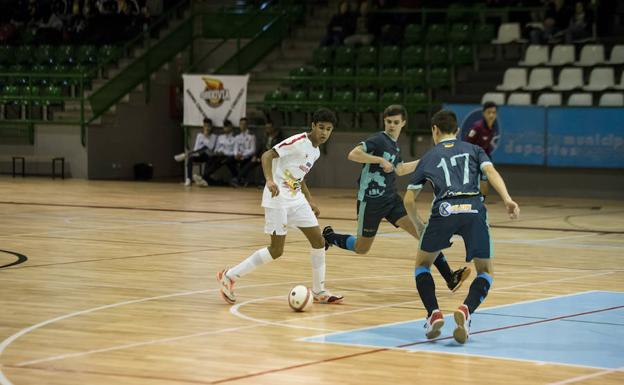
pixel 299 298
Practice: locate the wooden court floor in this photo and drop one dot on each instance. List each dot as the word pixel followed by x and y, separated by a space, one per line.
pixel 118 288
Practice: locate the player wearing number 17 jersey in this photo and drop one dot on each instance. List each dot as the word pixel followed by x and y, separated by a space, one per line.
pixel 454 169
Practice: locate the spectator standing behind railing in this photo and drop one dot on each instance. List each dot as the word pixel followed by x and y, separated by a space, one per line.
pixel 244 149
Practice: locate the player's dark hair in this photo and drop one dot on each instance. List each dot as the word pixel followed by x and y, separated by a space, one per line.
pixel 446 121
pixel 395 109
pixel 228 123
pixel 324 115
pixel 206 120
pixel 487 105
pixel 243 119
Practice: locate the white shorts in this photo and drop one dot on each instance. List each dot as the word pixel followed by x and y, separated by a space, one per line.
pixel 276 220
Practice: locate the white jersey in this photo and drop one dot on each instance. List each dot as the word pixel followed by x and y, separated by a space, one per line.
pixel 225 144
pixel 296 157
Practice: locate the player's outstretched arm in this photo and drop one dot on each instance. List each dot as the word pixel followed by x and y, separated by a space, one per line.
pixel 406 168
pixel 409 200
pixel 267 169
pixel 496 180
pixel 358 155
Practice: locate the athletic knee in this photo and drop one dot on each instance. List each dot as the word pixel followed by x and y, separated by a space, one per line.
pixel 276 252
pixel 318 243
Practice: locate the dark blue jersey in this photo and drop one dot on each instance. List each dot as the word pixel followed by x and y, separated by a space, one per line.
pixel 454 169
pixel 374 182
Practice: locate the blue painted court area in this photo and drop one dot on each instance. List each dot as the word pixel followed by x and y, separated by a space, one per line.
pixel 584 329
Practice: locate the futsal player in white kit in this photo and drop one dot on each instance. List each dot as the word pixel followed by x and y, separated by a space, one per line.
pixel 287 202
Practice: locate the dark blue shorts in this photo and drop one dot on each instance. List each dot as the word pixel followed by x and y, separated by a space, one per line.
pixel 371 212
pixel 472 227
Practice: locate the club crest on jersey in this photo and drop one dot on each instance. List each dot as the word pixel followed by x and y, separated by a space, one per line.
pixel 445 209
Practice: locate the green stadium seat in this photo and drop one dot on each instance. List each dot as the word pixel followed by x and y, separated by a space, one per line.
pixel 390 56
pixel 347 74
pixel 413 56
pixel 391 98
pixel 413 34
pixel 462 54
pixel 25 54
pixel 436 33
pixel 439 77
pixel 367 77
pixel 318 96
pixel 483 33
pixel 272 98
pixel 298 84
pixel 296 97
pixel 322 80
pixel 415 77
pixel 343 100
pixel 66 54
pixel 344 56
pixel 7 55
pixel 391 78
pixel 322 56
pixel 108 52
pixel 10 94
pixel 416 102
pixel 367 101
pixel 367 56
pixel 44 54
pixel 460 33
pixel 438 54
pixel 87 55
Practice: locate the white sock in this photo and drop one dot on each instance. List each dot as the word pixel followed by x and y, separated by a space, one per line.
pixel 258 258
pixel 317 257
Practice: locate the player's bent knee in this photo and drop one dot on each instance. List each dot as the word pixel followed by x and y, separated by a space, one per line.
pixel 318 243
pixel 276 252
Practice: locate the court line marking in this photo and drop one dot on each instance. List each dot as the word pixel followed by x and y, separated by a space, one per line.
pixel 257 374
pixel 586 376
pixel 234 310
pixel 493 225
pixel 304 339
pixel 8 341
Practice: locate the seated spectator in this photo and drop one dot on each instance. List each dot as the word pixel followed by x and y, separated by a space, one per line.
pixel 223 156
pixel 341 25
pixel 244 150
pixel 581 23
pixel 555 21
pixel 364 27
pixel 205 143
pixel 272 136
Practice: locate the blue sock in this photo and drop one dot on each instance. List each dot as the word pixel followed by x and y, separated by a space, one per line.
pixel 344 241
pixel 426 288
pixel 478 291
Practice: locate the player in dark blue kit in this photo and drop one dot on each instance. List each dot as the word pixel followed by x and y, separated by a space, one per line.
pixel 377 195
pixel 454 169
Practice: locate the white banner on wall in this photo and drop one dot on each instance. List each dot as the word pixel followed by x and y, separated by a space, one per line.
pixel 217 97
